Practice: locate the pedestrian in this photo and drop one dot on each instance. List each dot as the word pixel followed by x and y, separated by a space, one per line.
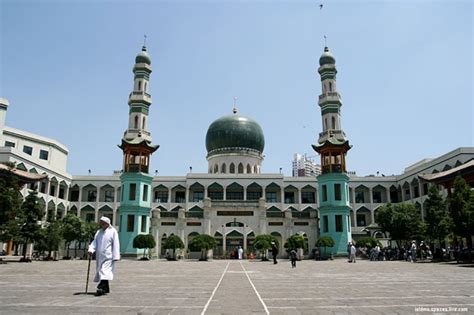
pixel 293 258
pixel 240 252
pixel 413 251
pixel 353 254
pixel 274 253
pixel 107 248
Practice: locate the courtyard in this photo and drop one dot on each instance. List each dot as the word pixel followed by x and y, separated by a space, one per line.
pixel 240 287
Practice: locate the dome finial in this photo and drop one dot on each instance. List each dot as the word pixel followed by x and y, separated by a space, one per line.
pixel 234 110
pixel 325 43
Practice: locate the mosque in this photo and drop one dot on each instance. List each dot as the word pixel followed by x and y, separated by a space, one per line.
pixel 234 201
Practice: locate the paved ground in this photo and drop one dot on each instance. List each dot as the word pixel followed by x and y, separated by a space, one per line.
pixel 240 287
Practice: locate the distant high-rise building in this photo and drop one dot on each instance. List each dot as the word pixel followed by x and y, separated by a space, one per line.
pixel 304 166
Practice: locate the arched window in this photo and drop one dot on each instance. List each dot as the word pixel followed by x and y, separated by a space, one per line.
pixel 216 168
pixel 232 168
pixel 223 168
pixel 333 121
pixel 330 86
pixel 136 122
pixel 145 87
pixel 255 169
pixel 139 85
pixel 249 169
pixel 241 168
pixel 143 125
pixel 325 124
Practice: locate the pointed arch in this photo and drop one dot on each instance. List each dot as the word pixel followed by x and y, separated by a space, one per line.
pixel 249 169
pixel 232 168
pixel 223 168
pixel 241 168
pixel 135 122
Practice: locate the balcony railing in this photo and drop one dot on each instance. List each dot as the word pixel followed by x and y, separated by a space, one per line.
pixel 332 132
pixel 329 94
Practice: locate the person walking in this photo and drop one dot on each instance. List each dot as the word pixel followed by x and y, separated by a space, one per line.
pixel 240 252
pixel 274 253
pixel 413 251
pixel 107 248
pixel 352 258
pixel 293 258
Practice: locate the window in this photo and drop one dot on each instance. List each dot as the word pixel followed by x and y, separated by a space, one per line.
pixel 223 169
pixel 133 192
pixel 333 122
pixel 143 125
pixel 377 196
pixel 416 191
pixel 232 168
pixel 325 224
pixel 145 87
pixel 307 197
pixel 130 222
pixel 109 196
pixel 289 197
pixel 271 196
pixel 339 227
pixel 52 190
pixel 9 144
pixel 145 192
pixel 241 168
pixel 216 195
pixel 361 220
pixel 254 195
pixel 180 196
pixel 90 217
pixel 325 193
pixel 360 197
pixel 136 122
pixel 161 196
pixel 198 196
pixel 91 195
pixel 61 192
pixel 44 155
pixel 425 189
pixel 139 85
pixel 43 187
pixel 74 195
pixel 337 191
pixel 330 86
pixel 143 223
pixel 235 195
pixel 28 150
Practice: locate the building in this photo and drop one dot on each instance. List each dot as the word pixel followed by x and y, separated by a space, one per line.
pixel 235 200
pixel 304 166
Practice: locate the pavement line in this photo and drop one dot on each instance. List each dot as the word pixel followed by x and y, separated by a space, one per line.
pixel 255 289
pixel 458 305
pixel 370 297
pixel 215 289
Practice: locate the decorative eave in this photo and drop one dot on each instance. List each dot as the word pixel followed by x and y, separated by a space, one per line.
pixel 332 143
pixel 23 176
pixel 465 170
pixel 138 143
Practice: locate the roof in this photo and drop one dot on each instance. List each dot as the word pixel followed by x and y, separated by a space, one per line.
pixel 137 142
pixel 24 176
pixel 466 168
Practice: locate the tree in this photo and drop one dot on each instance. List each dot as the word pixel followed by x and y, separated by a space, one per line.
pixel 294 242
pixel 203 243
pixel 325 241
pixel 438 222
pixel 263 243
pixel 402 221
pixel 88 230
pixel 367 241
pixel 145 241
pixel 51 237
pixel 173 242
pixel 461 208
pixel 29 221
pixel 10 202
pixel 70 231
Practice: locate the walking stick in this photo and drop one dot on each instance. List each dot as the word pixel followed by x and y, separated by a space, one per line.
pixel 88 270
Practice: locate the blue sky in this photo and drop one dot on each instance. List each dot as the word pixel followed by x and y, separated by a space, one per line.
pixel 405 74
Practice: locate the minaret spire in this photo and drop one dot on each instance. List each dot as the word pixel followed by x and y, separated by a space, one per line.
pixel 234 110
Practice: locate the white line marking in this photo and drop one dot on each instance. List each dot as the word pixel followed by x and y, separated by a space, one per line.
pixel 255 289
pixel 371 298
pixel 215 289
pixel 398 306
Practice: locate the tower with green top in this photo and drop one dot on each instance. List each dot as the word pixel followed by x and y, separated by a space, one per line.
pixel 135 200
pixel 333 183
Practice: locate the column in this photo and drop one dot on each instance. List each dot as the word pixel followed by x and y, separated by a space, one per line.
pixel 48 186
pixel 299 198
pixel 115 208
pixel 79 205
pixel 66 198
pixel 224 193
pixel 223 239
pixel 97 197
pixel 245 238
pixel 264 192
pixel 245 192
pixel 388 194
pixel 205 191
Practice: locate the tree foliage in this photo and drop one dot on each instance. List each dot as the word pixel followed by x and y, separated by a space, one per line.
pixel 294 242
pixel 368 242
pixel 10 202
pixel 145 241
pixel 438 222
pixel 203 243
pixel 70 230
pixel 325 241
pixel 461 208
pixel 29 220
pixel 173 242
pixel 263 243
pixel 402 221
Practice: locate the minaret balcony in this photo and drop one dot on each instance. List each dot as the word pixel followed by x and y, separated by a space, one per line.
pixel 330 96
pixel 139 96
pixel 332 168
pixel 323 136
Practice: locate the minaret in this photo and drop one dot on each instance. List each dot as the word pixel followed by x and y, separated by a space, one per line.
pixel 135 201
pixel 333 145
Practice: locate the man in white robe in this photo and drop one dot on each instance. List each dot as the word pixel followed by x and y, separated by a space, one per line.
pixel 107 248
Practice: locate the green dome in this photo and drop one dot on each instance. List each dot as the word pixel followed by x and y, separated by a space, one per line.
pixel 326 58
pixel 235 132
pixel 143 57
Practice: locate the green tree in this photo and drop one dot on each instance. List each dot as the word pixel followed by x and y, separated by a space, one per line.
pixel 294 242
pixel 173 242
pixel 70 231
pixel 368 242
pixel 88 230
pixel 402 221
pixel 263 243
pixel 325 241
pixel 29 220
pixel 145 241
pixel 203 243
pixel 51 237
pixel 10 203
pixel 461 208
pixel 438 222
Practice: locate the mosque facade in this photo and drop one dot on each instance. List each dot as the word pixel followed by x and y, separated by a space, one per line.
pixel 235 200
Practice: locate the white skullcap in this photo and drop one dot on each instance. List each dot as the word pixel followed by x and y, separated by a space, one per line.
pixel 105 219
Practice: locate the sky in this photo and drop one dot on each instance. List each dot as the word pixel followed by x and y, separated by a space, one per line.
pixel 405 74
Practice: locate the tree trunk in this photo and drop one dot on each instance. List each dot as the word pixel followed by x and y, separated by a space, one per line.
pixel 25 245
